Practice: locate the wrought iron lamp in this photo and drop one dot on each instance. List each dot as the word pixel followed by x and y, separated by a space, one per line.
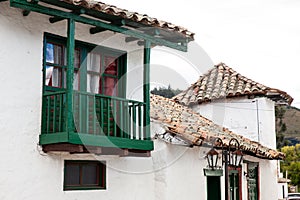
pixel 229 158
pixel 213 167
pixel 212 158
pixel 235 157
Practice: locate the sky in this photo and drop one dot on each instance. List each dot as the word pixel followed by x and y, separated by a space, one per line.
pixel 260 39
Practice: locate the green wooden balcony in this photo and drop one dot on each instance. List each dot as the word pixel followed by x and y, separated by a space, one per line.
pixel 98 121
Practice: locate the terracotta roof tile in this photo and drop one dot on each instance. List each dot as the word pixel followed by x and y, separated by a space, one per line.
pixel 222 82
pixel 195 129
pixel 134 16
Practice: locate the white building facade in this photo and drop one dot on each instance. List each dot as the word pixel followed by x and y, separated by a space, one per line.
pixel 247 108
pixel 45 155
pixel 27 171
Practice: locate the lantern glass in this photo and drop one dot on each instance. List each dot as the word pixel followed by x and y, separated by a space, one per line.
pixel 216 160
pixel 236 158
pixel 209 159
pixel 232 160
pixel 212 158
pixel 239 157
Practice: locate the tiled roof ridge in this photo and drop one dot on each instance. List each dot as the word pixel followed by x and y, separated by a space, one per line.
pixel 134 16
pixel 224 82
pixel 196 129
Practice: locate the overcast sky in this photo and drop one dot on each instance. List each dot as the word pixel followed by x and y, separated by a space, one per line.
pixel 258 38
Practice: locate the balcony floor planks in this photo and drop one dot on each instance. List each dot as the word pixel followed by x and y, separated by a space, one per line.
pixel 79 149
pixel 89 140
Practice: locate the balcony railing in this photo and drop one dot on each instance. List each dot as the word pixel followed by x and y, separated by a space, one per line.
pixel 95 117
pixel 109 116
pixel 54 112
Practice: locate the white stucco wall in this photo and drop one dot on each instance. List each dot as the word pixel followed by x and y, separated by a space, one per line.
pixel 267 172
pixel 282 191
pixel 251 118
pixel 181 172
pixel 28 32
pixel 27 172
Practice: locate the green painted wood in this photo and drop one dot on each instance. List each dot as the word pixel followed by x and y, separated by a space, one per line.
pixel 94 116
pixel 252 183
pixel 57 19
pixel 121 117
pixel 128 110
pixel 103 141
pixel 108 117
pixel 48 114
pixel 102 115
pixel 23 4
pixel 122 86
pixel 96 140
pixel 234 185
pixel 119 22
pixel 44 102
pixel 53 138
pixel 146 88
pixel 80 122
pixel 70 74
pixel 115 116
pixel 60 112
pixel 54 114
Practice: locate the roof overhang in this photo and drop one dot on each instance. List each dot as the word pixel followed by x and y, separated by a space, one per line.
pixel 103 17
pixel 181 124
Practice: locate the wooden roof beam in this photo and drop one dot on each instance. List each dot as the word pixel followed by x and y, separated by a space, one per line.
pixel 27 12
pixel 131 39
pixel 93 22
pixel 55 19
pixel 152 31
pixel 119 22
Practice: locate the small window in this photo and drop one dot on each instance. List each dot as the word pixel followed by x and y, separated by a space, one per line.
pixel 84 175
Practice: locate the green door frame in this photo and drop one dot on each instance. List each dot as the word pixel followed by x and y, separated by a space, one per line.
pixel 252 181
pixel 235 184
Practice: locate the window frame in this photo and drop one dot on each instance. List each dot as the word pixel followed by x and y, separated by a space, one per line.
pixel 101 175
pixel 85 48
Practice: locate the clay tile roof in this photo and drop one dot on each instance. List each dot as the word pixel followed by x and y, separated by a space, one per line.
pixel 223 82
pixel 195 129
pixel 133 16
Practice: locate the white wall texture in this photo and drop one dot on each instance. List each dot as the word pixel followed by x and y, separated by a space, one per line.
pixel 253 119
pixel 28 173
pixel 172 172
pixel 282 191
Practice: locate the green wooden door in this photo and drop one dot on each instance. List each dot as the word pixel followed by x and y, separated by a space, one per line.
pixel 213 188
pixel 252 181
pixel 234 185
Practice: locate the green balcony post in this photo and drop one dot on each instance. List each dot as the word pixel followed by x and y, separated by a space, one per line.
pixel 70 74
pixel 146 89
